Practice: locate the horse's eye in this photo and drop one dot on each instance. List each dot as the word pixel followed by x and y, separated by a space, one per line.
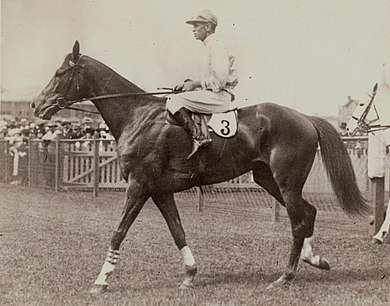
pixel 59 73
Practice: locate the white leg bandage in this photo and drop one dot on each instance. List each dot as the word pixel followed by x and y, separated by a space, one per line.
pixel 187 256
pixel 307 249
pixel 108 267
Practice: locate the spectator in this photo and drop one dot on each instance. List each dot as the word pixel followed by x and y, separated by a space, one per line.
pixel 18 150
pixel 104 131
pixel 32 130
pixel 67 131
pixel 77 134
pixel 53 133
pixel 3 129
pixel 344 130
pixel 87 124
pixel 359 149
pixel 88 134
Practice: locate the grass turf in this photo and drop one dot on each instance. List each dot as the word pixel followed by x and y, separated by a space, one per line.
pixel 53 246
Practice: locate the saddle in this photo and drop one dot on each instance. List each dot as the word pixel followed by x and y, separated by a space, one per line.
pixel 223 124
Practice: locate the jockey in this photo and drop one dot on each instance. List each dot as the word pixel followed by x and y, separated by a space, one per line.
pixel 212 92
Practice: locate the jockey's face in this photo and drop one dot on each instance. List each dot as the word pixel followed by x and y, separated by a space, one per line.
pixel 201 30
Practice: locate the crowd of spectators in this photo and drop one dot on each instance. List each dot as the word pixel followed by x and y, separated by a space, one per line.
pixel 61 128
pixel 18 132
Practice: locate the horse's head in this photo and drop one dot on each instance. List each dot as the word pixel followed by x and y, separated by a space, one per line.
pixel 364 116
pixel 65 86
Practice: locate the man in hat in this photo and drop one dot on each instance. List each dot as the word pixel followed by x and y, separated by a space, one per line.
pixel 87 125
pixel 53 133
pixel 67 131
pixel 212 91
pixel 77 133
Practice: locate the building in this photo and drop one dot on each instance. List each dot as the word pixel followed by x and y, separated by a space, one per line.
pixel 346 111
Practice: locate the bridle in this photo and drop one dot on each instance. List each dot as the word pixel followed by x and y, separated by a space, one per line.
pixel 362 124
pixel 368 126
pixel 63 103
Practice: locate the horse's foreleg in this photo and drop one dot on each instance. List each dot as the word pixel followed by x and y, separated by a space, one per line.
pixel 166 204
pixel 384 230
pixel 135 200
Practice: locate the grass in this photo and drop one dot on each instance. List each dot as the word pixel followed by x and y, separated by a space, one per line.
pixel 53 246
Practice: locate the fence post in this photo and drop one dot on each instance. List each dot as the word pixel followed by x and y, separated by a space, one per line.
pixel 6 161
pixel 200 198
pixel 29 163
pixel 95 166
pixel 275 211
pixel 57 185
pixel 378 200
pixel 376 173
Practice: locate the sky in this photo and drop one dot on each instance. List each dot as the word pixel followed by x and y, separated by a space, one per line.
pixel 309 55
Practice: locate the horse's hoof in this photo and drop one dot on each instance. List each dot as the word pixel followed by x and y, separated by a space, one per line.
pixel 282 282
pixel 375 241
pixel 273 286
pixel 277 285
pixel 186 286
pixel 98 289
pixel 317 262
pixel 323 264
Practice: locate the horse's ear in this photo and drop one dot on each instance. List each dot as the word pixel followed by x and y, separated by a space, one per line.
pixel 375 88
pixel 76 51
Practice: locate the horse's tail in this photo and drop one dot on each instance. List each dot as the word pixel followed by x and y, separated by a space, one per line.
pixel 339 168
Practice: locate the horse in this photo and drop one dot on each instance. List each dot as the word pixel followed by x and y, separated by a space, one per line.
pixel 277 143
pixel 369 118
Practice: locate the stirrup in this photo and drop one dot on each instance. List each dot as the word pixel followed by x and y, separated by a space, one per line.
pixel 197 144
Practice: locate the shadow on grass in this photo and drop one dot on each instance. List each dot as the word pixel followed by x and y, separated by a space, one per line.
pixel 241 278
pixel 316 277
pixel 345 276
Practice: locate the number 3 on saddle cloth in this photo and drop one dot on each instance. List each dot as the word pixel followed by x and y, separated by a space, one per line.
pixel 223 124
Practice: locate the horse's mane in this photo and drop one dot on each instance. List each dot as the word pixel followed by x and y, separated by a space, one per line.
pixel 132 86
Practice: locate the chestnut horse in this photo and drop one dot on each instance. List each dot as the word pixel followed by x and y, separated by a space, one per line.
pixel 277 143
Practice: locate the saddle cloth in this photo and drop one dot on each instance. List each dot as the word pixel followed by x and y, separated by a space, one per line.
pixel 223 124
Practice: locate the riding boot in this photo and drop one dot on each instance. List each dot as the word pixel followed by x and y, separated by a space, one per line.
pixel 198 139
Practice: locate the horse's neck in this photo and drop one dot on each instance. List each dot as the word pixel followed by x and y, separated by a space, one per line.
pixel 116 112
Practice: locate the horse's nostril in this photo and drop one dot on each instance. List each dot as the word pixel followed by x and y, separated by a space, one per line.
pixel 32 105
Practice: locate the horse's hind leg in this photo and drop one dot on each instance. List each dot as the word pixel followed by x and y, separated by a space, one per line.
pixel 307 254
pixel 290 168
pixel 264 177
pixel 135 200
pixel 166 204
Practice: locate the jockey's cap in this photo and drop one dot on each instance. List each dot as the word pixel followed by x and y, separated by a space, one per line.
pixel 205 16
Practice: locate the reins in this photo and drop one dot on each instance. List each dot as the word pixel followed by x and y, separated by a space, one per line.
pixel 62 103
